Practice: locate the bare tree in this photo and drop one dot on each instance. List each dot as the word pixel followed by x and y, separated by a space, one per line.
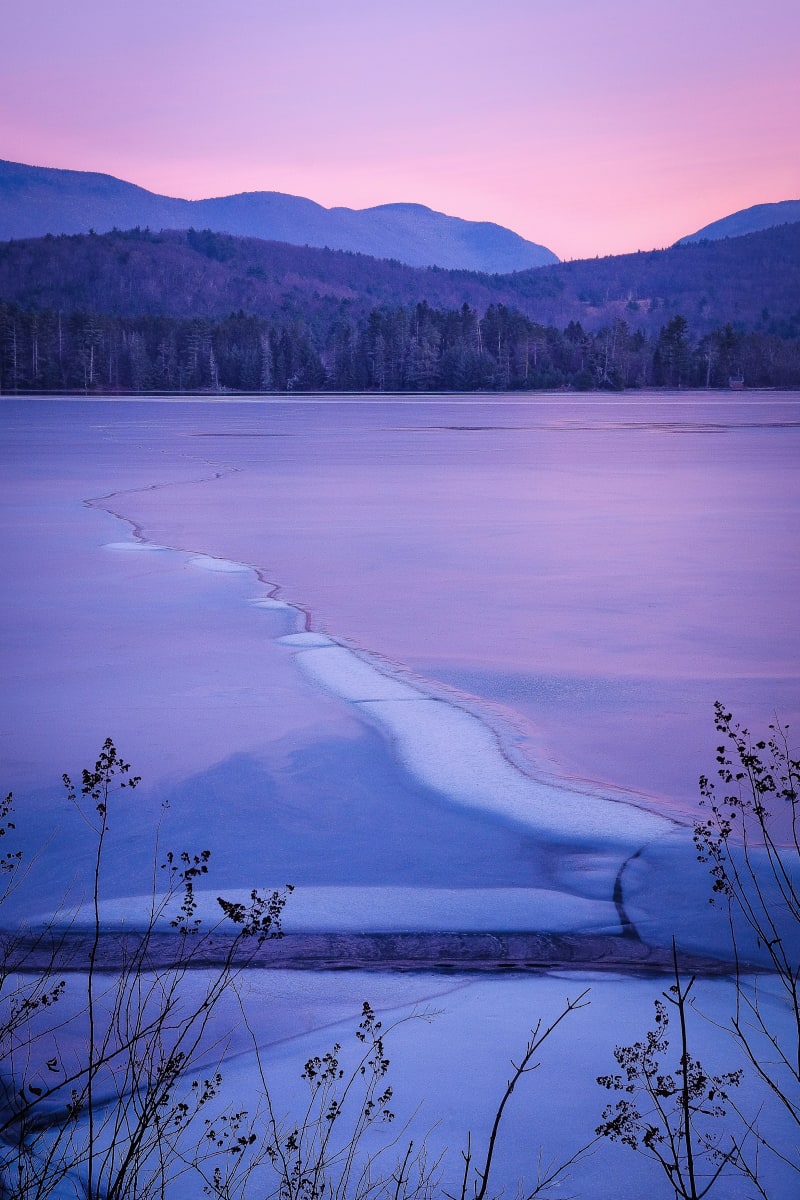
pixel 674 1117
pixel 688 1120
pixel 750 838
pixel 98 1096
pixel 475 1179
pixel 110 1071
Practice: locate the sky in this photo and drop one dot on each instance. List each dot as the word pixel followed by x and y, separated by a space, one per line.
pixel 590 126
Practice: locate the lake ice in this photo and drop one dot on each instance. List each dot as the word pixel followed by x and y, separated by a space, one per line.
pixel 398 651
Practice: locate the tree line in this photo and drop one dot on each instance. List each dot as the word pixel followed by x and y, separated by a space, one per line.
pixel 415 348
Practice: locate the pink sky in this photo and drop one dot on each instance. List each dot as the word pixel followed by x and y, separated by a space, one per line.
pixel 592 126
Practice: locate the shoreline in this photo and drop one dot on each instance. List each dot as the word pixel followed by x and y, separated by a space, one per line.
pixel 440 953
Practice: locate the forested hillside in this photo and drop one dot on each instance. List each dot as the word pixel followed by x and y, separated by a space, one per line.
pixel 196 310
pixel 204 274
pixel 752 282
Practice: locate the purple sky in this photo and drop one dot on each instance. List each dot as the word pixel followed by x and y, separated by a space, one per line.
pixel 593 126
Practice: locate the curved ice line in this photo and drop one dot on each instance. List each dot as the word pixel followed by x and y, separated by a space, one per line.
pixel 140 538
pixel 439 742
pixel 454 752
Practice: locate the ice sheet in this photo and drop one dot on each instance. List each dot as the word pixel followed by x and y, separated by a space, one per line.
pixel 602 568
pixel 452 751
pixel 669 894
pixel 224 565
pixel 389 909
pixel 602 550
pixel 450 1045
pixel 450 1042
pixel 439 541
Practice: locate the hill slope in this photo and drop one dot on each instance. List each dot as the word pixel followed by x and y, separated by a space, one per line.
pixel 748 220
pixel 186 311
pixel 38 200
pixel 752 281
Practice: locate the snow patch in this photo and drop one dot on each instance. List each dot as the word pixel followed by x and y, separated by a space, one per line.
pixel 390 910
pixel 450 750
pixel 308 640
pixel 269 602
pixel 208 563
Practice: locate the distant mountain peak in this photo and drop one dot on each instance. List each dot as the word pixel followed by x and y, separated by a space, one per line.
pixel 747 220
pixel 401 206
pixel 35 201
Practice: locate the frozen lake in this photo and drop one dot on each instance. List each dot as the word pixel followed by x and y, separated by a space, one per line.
pixel 442 663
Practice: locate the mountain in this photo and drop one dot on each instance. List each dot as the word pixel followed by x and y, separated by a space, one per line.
pixel 752 281
pixel 747 220
pixel 38 200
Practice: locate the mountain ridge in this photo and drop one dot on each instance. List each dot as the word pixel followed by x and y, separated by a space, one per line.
pixel 747 220
pixel 753 282
pixel 35 201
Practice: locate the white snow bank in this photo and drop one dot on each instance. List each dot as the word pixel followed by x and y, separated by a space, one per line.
pixel 352 678
pixel 270 602
pixel 395 909
pixel 450 750
pixel 305 640
pixel 208 563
